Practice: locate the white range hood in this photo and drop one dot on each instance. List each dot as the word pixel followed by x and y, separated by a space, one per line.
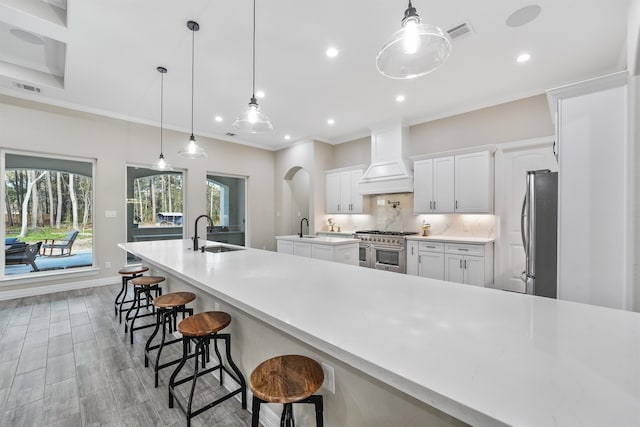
pixel 389 171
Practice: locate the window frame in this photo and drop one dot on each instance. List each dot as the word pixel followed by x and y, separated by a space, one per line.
pixel 40 276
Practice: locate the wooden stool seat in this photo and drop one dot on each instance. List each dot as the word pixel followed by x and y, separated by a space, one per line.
pixel 202 324
pixel 174 299
pixel 147 280
pixel 168 306
pixel 133 269
pixel 286 379
pixel 203 328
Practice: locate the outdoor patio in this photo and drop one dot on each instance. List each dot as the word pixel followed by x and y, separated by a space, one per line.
pixel 47 263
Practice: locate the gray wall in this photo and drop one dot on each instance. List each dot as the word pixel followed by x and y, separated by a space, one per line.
pixel 31 126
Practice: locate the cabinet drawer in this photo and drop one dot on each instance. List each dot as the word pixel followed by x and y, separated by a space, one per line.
pixel 431 247
pixel 464 249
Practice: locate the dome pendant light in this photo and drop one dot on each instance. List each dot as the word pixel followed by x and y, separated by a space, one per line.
pixel 414 50
pixel 191 149
pixel 253 120
pixel 161 164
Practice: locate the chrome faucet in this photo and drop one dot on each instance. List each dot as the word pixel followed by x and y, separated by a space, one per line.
pixel 195 230
pixel 303 219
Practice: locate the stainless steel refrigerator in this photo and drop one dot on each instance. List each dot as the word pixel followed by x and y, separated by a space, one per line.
pixel 539 228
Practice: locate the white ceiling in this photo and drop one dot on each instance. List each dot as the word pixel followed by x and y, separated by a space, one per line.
pixel 101 56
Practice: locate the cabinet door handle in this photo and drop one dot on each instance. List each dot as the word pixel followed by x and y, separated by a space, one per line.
pixel 461 264
pixel 456 204
pixel 411 250
pixel 463 249
pixel 434 205
pixel 338 207
pixel 465 264
pixel 431 247
pixel 419 259
pixel 430 204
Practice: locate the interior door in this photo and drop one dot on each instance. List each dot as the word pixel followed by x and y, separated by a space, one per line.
pixel 513 160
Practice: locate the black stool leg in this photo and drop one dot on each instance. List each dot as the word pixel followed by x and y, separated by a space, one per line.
pixel 135 302
pixel 151 337
pixel 243 383
pixel 286 420
pixel 215 347
pixel 123 290
pixel 172 380
pixel 255 411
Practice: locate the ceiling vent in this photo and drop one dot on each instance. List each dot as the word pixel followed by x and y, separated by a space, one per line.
pixel 460 31
pixel 29 88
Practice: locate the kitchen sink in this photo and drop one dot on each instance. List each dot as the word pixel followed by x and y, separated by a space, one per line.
pixel 218 249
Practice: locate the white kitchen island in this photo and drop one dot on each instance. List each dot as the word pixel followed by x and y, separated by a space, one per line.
pixel 484 356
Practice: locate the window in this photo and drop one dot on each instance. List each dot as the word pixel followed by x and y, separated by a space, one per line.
pixel 226 205
pixel 154 205
pixel 48 212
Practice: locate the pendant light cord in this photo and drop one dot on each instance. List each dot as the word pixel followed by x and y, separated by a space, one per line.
pixel 161 107
pixel 254 49
pixel 193 38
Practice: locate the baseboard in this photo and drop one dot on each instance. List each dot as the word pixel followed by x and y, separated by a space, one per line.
pixel 59 287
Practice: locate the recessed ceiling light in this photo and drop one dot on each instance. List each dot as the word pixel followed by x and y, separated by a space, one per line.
pixel 287 137
pixel 523 57
pixel 260 94
pixel 332 52
pixel 218 119
pixel 523 15
pixel 400 98
pixel 331 121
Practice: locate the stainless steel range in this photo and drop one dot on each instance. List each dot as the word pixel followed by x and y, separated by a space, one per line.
pixel 383 250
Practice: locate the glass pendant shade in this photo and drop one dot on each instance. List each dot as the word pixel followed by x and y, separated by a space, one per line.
pixel 191 149
pixel 414 50
pixel 252 120
pixel 161 164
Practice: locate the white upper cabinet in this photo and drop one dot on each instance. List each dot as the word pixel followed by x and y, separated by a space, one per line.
pixel 473 183
pixel 454 184
pixel 341 192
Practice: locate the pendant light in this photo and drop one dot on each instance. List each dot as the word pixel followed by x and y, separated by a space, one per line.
pixel 161 164
pixel 253 120
pixel 414 50
pixel 191 149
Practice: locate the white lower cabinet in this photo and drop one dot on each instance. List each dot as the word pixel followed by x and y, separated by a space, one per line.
pixel 466 263
pixel 285 247
pixel 431 265
pixel 345 253
pixel 302 249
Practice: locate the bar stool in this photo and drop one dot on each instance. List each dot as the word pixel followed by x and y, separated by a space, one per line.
pixel 127 273
pixel 286 379
pixel 142 287
pixel 202 328
pixel 167 308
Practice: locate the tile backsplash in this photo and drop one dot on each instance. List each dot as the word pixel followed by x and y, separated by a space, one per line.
pixel 382 215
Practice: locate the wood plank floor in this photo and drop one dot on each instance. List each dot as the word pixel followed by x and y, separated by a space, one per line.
pixel 66 361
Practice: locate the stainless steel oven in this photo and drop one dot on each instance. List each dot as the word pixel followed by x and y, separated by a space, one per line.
pixel 389 258
pixel 383 250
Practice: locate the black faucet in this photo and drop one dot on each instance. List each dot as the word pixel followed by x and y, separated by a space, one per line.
pixel 303 219
pixel 195 230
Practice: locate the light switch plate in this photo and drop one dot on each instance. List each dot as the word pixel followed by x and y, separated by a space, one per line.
pixel 110 214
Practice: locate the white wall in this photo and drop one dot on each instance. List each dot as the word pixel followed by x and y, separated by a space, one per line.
pixel 26 125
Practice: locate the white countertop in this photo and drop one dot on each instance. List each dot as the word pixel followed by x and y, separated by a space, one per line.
pixel 453 239
pixel 485 356
pixel 325 240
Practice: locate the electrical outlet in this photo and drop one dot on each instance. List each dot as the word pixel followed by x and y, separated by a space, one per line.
pixel 329 383
pixel 107 265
